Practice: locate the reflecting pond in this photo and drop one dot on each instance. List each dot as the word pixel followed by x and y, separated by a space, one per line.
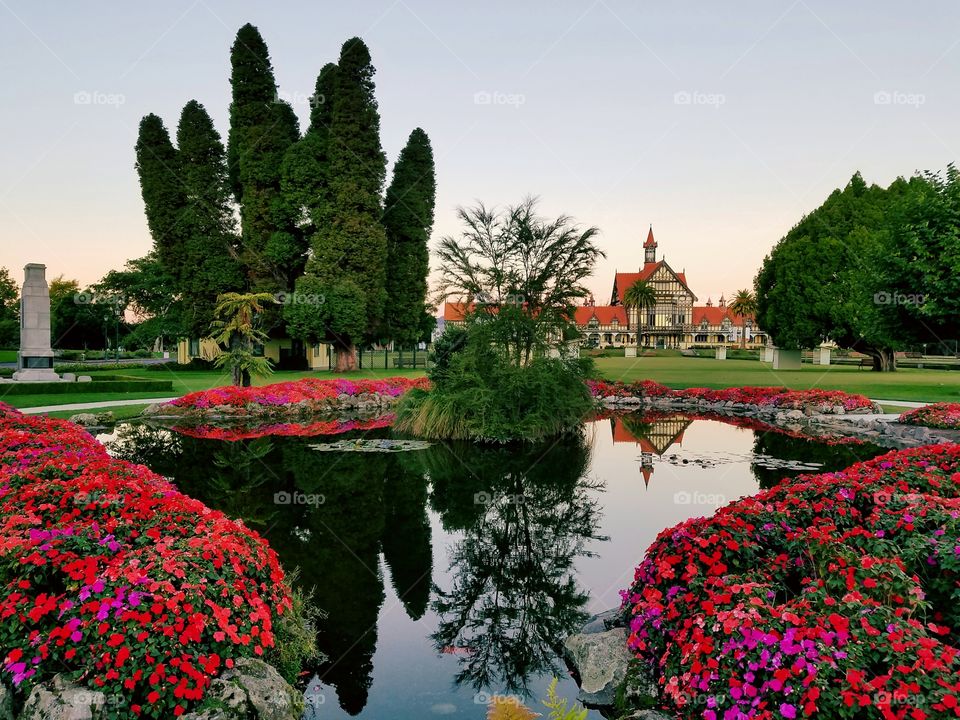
pixel 451 573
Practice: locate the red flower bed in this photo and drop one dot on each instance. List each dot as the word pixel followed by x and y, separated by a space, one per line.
pixel 310 391
pixel 111 576
pixel 938 415
pixel 322 427
pixel 779 397
pixel 829 595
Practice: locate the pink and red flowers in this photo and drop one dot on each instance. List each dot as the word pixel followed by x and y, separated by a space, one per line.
pixel 779 397
pixel 829 595
pixel 309 394
pixel 110 575
pixel 938 415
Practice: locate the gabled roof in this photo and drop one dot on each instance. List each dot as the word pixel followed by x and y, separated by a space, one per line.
pixel 622 281
pixel 605 314
pixel 715 315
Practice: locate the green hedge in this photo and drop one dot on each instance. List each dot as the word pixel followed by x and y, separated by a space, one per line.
pixel 95 386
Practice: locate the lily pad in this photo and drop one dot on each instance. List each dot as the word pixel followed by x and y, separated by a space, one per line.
pixel 384 446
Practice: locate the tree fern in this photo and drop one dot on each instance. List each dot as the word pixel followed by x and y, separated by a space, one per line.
pixel 558 706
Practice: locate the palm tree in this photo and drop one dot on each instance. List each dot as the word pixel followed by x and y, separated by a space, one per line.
pixel 235 328
pixel 640 296
pixel 744 304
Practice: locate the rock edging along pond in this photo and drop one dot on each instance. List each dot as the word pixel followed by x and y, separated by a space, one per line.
pixel 114 580
pixel 812 412
pixel 301 398
pixel 823 594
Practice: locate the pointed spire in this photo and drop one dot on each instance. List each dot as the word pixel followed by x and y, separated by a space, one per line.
pixel 650 241
pixel 709 302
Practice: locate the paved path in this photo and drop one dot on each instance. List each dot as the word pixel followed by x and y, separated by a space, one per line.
pixel 901 403
pixel 93 405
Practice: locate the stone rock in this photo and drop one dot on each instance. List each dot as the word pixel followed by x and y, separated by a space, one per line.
pixel 84 419
pixel 648 715
pixel 6 703
pixel 602 622
pixel 251 689
pixel 601 660
pixel 155 409
pixel 84 378
pixel 68 377
pixel 60 699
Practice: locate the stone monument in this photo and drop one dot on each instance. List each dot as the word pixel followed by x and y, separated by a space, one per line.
pixel 35 359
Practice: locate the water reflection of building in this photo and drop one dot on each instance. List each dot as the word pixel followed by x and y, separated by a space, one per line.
pixel 654 437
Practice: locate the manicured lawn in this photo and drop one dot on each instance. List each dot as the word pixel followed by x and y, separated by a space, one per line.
pixel 183 382
pixel 120 412
pixel 8 355
pixel 682 372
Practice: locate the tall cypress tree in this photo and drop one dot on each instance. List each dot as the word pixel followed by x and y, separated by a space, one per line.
pixel 349 246
pixel 262 129
pixel 304 181
pixel 211 241
pixel 408 219
pixel 164 197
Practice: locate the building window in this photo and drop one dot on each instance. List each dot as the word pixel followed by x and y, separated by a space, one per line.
pixel 194 349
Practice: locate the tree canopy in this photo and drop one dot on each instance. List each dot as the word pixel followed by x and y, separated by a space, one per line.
pixel 870 269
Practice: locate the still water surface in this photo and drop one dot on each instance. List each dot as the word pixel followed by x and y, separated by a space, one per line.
pixel 452 573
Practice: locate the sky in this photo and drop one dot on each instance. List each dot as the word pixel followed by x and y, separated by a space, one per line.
pixel 720 124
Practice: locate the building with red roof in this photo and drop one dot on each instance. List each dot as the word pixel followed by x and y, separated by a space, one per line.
pixel 675 320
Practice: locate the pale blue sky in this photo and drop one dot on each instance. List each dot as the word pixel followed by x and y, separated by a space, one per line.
pixel 720 123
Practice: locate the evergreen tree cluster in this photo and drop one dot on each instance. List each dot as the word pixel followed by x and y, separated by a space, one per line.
pixel 872 269
pixel 303 216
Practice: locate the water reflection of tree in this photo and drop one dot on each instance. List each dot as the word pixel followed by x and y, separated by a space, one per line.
pixel 807 450
pixel 528 514
pixel 370 504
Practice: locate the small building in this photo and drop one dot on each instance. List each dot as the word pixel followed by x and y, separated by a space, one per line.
pixel 284 352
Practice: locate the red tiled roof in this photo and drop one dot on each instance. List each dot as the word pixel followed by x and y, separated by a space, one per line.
pixel 625 280
pixel 604 314
pixel 715 315
pixel 454 311
pixel 650 241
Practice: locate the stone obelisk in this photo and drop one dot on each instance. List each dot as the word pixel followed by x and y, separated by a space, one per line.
pixel 35 359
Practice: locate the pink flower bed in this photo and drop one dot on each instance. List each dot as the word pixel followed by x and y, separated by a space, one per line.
pixel 113 578
pixel 779 397
pixel 313 392
pixel 938 415
pixel 828 596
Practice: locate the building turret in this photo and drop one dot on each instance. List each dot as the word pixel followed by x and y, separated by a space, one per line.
pixel 650 248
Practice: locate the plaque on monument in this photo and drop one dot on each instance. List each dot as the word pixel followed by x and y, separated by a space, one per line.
pixel 35 359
